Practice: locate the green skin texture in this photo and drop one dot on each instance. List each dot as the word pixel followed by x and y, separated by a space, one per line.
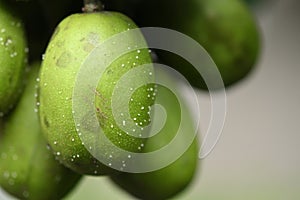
pixel 226 29
pixel 12 58
pixel 69 47
pixel 174 178
pixel 28 169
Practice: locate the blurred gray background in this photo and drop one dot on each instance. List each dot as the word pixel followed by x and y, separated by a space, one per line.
pixel 258 155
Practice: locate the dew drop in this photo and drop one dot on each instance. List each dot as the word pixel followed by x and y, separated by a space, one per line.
pixel 14 174
pixel 15 157
pixel 11 182
pixel 6 174
pixel 25 194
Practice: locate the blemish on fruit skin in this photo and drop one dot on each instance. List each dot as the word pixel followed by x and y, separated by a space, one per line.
pixel 88 47
pixel 64 59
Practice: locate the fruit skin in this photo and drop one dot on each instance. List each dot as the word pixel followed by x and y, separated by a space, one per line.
pixel 75 37
pixel 12 58
pixel 226 29
pixel 174 178
pixel 28 168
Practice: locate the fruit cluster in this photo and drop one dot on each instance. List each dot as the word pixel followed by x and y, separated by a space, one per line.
pixel 44 150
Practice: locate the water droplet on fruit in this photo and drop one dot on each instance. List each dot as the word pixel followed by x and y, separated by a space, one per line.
pixel 25 194
pixel 14 174
pixel 15 157
pixel 11 182
pixel 6 174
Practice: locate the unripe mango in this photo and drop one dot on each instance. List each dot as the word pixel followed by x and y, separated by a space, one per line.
pixel 13 58
pixel 73 41
pixel 28 168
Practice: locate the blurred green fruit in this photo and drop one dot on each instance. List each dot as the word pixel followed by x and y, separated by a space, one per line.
pixel 226 29
pixel 13 58
pixel 174 178
pixel 73 41
pixel 28 168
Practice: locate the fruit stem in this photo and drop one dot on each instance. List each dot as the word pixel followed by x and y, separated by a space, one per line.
pixel 91 6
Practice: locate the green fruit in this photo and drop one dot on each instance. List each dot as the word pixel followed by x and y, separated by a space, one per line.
pixel 174 178
pixel 12 58
pixel 73 41
pixel 226 29
pixel 28 168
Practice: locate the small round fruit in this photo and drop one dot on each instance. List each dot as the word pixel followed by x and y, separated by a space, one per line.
pixel 13 55
pixel 73 41
pixel 28 168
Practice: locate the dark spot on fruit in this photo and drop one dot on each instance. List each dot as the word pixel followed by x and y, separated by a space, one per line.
pixel 46 122
pixel 109 71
